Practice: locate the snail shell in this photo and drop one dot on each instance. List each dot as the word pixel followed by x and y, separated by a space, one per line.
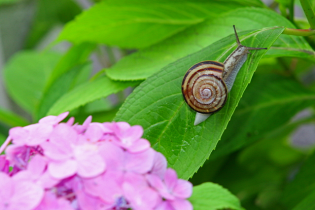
pixel 203 87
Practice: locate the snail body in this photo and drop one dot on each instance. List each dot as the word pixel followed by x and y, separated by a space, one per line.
pixel 206 85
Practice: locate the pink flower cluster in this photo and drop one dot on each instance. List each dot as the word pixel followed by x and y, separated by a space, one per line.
pixel 64 166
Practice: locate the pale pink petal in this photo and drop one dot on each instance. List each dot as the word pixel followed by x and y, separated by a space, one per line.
pixel 64 134
pixel 88 202
pixel 64 169
pixel 121 126
pixel 27 196
pixel 38 133
pixel 37 165
pixel 90 163
pixel 183 189
pixel 70 121
pixel 170 179
pixel 141 162
pixel 112 190
pixel 159 165
pixel 164 206
pixel 47 181
pixel 139 146
pixel 108 127
pixel 51 202
pixel 19 135
pixel 53 120
pixel 139 194
pixel 157 184
pixel 84 126
pixel 57 151
pixel 4 164
pixel 6 188
pixel 113 156
pixel 180 204
pixel 94 132
pixel 107 186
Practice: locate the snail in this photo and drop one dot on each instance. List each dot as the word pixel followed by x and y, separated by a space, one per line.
pixel 206 85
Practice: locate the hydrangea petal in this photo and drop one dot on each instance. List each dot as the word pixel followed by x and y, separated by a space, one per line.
pixel 158 184
pixel 141 162
pixel 159 165
pixel 19 135
pixel 139 145
pixel 180 204
pixel 138 193
pixel 51 202
pixel 113 156
pixel 170 178
pixel 183 189
pixel 6 188
pixel 27 195
pixel 90 163
pixel 64 169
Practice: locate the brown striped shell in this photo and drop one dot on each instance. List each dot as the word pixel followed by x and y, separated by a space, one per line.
pixel 203 87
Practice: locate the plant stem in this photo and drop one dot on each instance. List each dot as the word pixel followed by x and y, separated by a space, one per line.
pixel 309 12
pixel 299 32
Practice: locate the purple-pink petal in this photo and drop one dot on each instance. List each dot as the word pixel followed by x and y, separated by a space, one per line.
pixel 158 184
pixel 112 155
pixel 62 169
pixel 159 165
pixel 138 192
pixel 6 189
pixel 183 189
pixel 170 179
pixel 90 163
pixel 51 202
pixel 181 204
pixel 27 195
pixel 139 145
pixel 140 162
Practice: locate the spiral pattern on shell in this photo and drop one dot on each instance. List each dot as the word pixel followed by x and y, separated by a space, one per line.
pixel 203 87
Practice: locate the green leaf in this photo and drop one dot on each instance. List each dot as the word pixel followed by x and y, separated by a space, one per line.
pixel 211 196
pixel 60 87
pixel 76 55
pixel 25 76
pixel 144 63
pixel 11 119
pixel 49 14
pixel 88 92
pixel 141 23
pixel 302 186
pixel 307 203
pixel 8 1
pixel 64 75
pixel 158 105
pixel 264 110
pixel 309 11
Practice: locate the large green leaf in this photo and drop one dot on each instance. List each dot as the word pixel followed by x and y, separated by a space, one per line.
pixel 11 119
pixel 88 92
pixel 302 186
pixel 64 76
pixel 60 87
pixel 145 62
pixel 269 102
pixel 211 196
pixel 49 14
pixel 158 105
pixel 25 77
pixel 141 23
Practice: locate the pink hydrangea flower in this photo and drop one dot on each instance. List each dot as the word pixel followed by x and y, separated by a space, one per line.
pixel 104 166
pixel 16 194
